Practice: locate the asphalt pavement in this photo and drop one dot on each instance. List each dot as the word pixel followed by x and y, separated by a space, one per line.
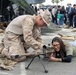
pixel 54 68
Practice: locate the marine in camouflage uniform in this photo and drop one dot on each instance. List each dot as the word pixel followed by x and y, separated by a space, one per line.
pixel 23 33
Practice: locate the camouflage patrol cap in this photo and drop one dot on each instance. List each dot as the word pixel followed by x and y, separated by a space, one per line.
pixel 46 16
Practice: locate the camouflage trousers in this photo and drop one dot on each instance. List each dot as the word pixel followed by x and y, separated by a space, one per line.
pixel 13 46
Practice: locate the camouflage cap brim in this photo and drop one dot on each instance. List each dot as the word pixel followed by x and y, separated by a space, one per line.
pixel 50 25
pixel 53 26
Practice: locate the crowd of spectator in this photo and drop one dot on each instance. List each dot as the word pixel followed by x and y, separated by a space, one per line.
pixel 61 15
pixel 10 12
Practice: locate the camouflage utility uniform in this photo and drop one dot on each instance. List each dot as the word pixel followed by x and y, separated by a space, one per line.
pixel 21 33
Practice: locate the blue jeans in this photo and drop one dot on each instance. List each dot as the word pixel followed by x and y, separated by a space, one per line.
pixel 74 22
pixel 61 20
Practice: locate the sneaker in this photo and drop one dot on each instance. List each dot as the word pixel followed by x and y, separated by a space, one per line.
pixel 71 27
pixel 60 26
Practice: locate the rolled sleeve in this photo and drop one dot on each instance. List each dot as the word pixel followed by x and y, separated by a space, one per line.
pixel 39 39
pixel 27 26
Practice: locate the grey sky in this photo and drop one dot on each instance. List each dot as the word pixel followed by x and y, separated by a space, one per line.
pixel 63 3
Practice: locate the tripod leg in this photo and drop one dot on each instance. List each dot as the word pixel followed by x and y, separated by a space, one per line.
pixel 46 71
pixel 30 63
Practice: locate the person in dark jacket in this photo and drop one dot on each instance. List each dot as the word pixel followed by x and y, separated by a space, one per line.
pixel 70 15
pixel 74 10
pixel 63 52
pixel 62 14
